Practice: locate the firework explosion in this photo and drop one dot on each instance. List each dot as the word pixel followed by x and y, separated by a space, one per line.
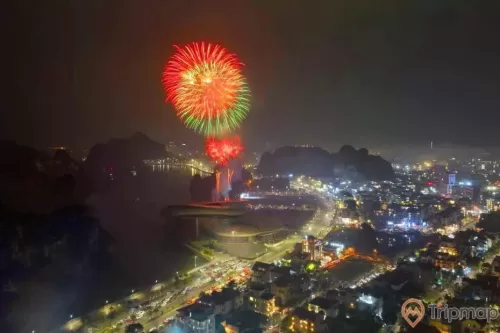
pixel 222 150
pixel 205 84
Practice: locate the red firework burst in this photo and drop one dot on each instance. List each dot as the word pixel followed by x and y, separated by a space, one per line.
pixel 222 150
pixel 205 84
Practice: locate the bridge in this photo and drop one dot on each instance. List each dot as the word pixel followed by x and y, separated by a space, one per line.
pixel 199 169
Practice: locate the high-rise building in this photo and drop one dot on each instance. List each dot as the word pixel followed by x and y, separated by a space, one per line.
pixel 450 183
pixel 493 204
pixel 312 246
pixel 447 183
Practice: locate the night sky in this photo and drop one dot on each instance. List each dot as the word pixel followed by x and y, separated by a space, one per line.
pixel 324 72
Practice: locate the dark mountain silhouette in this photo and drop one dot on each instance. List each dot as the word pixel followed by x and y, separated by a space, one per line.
pixel 32 181
pixel 64 161
pixel 317 162
pixel 124 153
pixel 19 161
pixel 313 161
pixel 66 250
pixel 52 246
pixel 119 157
pixel 62 164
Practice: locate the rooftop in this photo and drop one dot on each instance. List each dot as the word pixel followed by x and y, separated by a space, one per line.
pixel 246 320
pixel 302 313
pixel 266 296
pixel 236 230
pixel 197 311
pixel 322 302
pixel 483 281
pixel 217 298
pixel 261 266
pixel 286 280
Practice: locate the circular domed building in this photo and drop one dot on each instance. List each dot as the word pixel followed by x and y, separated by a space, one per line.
pixel 235 233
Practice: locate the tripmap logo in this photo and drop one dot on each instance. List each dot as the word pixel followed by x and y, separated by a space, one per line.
pixel 413 310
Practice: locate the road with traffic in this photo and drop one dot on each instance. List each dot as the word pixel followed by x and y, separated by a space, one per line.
pixel 152 306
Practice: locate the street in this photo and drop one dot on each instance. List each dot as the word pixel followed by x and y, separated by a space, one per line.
pixel 152 307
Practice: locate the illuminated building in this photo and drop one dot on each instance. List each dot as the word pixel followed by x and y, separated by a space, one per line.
pixel 446 184
pixel 197 318
pixel 349 216
pixel 448 250
pixel 447 246
pixel 264 303
pixel 330 308
pixel 370 303
pixel 451 182
pixel 261 272
pixel 312 246
pixel 445 261
pixel 223 302
pixel 245 321
pixel 490 204
pixel 308 244
pixel 493 204
pixel 303 320
pixel 447 255
pixel 333 248
pixel 348 297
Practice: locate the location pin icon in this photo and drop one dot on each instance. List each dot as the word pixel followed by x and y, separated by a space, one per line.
pixel 413 310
